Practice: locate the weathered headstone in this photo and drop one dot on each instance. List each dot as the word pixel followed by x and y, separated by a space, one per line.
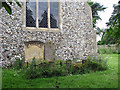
pixel 50 51
pixel 34 49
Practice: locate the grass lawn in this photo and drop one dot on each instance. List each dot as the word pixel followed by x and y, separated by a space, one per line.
pixel 101 79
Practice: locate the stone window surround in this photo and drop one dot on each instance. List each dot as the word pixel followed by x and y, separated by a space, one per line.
pixel 37 26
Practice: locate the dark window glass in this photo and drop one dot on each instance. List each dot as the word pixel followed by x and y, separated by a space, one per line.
pixel 43 14
pixel 53 14
pixel 30 13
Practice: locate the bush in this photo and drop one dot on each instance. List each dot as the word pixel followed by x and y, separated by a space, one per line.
pixel 91 65
pixel 96 64
pixel 46 69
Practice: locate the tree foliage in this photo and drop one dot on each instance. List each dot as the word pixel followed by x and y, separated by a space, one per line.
pixel 96 7
pixel 6 4
pixel 113 32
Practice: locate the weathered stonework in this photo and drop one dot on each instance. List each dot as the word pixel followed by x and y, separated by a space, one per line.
pixel 76 39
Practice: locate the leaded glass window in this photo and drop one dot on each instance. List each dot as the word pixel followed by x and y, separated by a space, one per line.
pixel 42 13
pixel 31 13
pixel 53 14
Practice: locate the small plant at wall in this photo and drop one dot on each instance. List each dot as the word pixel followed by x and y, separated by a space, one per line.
pixel 18 64
pixel 31 72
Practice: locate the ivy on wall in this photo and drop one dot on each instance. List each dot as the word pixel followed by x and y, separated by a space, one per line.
pixel 4 3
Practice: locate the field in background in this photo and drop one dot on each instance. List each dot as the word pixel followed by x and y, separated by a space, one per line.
pixel 107 49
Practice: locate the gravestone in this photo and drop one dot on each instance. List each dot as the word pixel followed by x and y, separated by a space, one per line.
pixel 50 51
pixel 34 49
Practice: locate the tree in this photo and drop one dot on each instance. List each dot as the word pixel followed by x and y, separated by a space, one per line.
pixel 107 39
pixel 4 3
pixel 115 17
pixel 96 7
pixel 114 24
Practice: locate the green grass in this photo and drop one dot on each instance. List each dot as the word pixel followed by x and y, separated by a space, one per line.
pixel 101 79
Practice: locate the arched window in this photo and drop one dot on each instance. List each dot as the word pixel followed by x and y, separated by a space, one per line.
pixel 42 14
